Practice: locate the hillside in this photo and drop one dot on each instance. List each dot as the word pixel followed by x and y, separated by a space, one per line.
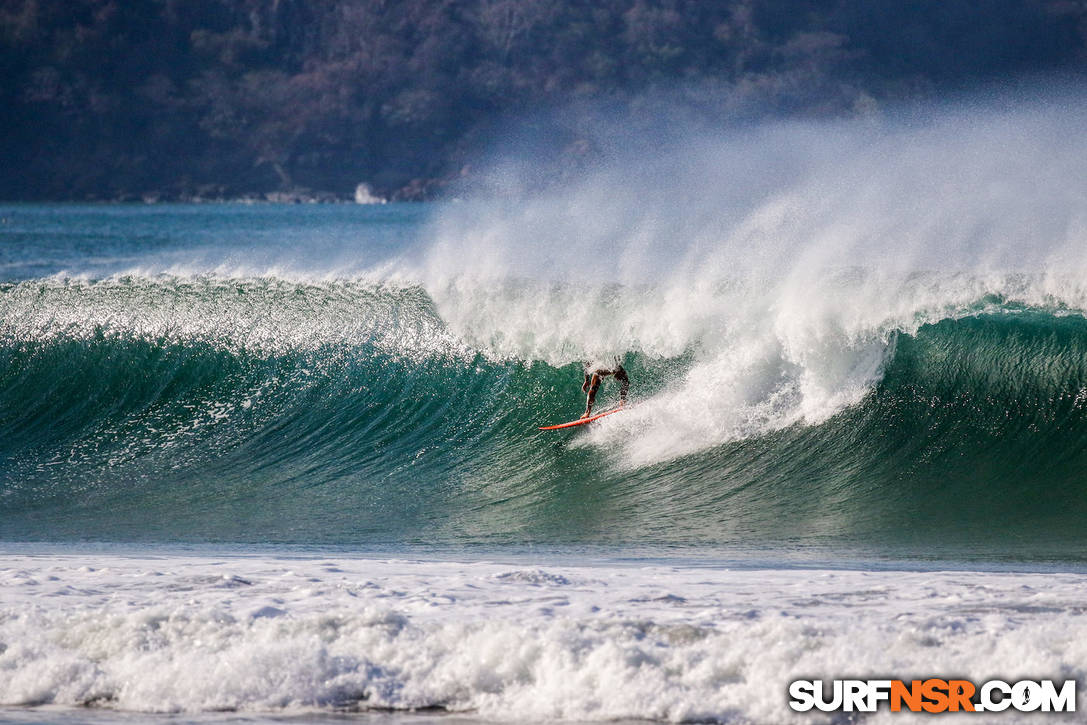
pixel 181 99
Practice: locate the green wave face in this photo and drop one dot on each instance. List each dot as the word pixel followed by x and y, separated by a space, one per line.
pixel 344 413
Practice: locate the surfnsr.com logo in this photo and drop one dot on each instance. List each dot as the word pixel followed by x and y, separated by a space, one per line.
pixel 932 695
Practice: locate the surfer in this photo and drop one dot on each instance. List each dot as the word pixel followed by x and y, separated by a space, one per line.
pixel 594 374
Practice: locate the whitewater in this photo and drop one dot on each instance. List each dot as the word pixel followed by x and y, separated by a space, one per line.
pixel 283 460
pixel 502 641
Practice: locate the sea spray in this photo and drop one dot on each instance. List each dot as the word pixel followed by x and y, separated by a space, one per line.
pixel 785 258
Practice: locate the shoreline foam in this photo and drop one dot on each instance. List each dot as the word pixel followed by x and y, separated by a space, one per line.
pixel 506 642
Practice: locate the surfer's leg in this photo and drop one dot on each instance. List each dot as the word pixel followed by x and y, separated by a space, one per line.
pixel 624 384
pixel 594 385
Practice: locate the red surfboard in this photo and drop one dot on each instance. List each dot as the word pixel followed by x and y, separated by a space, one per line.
pixel 580 421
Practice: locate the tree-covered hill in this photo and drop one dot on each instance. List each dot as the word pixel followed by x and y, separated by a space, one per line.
pixel 115 99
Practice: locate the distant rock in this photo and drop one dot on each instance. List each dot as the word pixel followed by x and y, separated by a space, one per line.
pixel 363 195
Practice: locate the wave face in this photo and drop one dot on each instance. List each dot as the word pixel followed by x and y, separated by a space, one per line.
pixel 852 333
pixel 341 412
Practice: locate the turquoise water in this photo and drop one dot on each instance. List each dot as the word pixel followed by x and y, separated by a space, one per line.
pixel 309 375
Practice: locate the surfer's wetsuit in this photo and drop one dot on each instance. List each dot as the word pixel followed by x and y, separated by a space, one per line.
pixel 592 384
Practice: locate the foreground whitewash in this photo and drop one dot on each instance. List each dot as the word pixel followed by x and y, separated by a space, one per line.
pixel 509 641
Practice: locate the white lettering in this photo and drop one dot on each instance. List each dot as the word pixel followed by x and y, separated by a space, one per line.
pixel 1026 696
pixel 878 690
pixel 821 701
pixel 853 697
pixel 803 694
pixel 987 701
pixel 1063 701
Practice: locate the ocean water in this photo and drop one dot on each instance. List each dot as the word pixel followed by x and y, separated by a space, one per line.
pixel 281 462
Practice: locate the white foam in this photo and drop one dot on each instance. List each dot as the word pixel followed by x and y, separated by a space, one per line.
pixel 784 258
pixel 508 642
